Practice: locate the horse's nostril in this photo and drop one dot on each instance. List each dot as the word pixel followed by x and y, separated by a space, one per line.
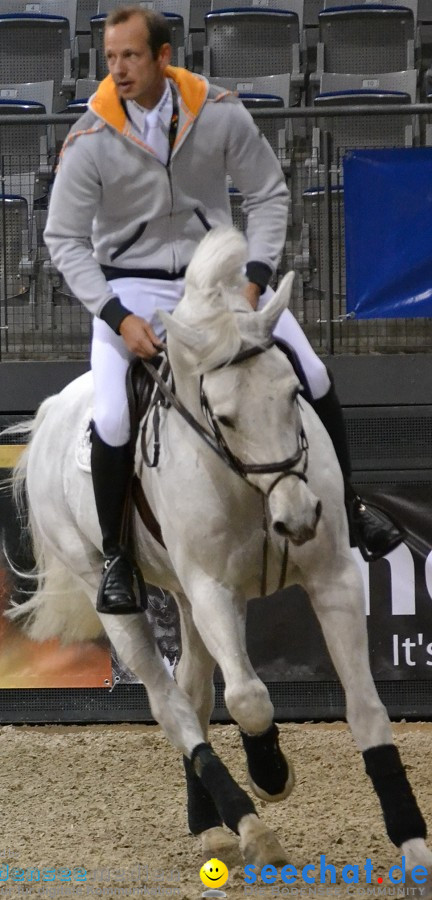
pixel 318 510
pixel 280 528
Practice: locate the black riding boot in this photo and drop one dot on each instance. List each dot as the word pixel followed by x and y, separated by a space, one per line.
pixel 121 583
pixel 372 531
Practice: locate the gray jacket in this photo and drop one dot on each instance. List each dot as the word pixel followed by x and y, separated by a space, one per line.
pixel 114 203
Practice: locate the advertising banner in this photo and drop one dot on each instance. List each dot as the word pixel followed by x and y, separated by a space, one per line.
pixel 285 641
pixel 23 662
pixel 388 221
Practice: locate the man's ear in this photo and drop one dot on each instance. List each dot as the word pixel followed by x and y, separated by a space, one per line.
pixel 164 56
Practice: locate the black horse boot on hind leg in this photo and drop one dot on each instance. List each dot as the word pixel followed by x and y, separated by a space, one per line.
pixel 370 529
pixel 122 589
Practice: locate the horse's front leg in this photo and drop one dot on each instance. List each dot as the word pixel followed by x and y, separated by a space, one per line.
pixel 194 675
pixel 219 615
pixel 136 646
pixel 219 618
pixel 224 632
pixel 338 601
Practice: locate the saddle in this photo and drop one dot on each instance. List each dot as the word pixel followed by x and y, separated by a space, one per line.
pixel 144 397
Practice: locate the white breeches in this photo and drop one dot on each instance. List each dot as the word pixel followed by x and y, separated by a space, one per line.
pixel 110 357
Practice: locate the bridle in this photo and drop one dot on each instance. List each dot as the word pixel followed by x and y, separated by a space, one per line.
pixel 215 438
pixel 283 468
pixel 217 442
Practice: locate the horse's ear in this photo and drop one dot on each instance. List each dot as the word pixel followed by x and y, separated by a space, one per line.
pixel 273 309
pixel 181 332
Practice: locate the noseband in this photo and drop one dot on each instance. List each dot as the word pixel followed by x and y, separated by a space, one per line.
pixel 283 468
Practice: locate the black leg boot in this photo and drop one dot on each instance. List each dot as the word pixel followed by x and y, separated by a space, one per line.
pixel 371 530
pixel 122 589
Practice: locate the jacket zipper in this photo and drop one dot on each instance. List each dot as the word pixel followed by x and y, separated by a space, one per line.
pixel 169 175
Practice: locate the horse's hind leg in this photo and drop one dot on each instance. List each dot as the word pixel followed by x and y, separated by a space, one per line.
pixel 339 606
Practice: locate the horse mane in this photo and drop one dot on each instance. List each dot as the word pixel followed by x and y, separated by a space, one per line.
pixel 213 297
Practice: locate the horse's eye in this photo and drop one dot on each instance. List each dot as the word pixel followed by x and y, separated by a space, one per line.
pixel 225 421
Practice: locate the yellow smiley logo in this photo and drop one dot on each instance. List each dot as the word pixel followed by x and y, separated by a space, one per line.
pixel 214 873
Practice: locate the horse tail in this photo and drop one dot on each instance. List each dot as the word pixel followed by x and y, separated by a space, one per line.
pixel 219 259
pixel 59 608
pixel 28 427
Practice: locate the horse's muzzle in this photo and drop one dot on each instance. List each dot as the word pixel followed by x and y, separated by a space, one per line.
pixel 298 532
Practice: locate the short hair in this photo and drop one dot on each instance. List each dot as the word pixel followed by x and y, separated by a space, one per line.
pixel 156 23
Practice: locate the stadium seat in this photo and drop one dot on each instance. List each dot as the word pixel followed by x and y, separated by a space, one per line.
pixel 78 107
pixel 357 131
pixel 368 37
pixel 405 82
pixel 39 91
pixel 27 150
pixel 17 255
pixel 265 93
pixel 176 7
pixel 86 9
pixel 85 87
pixel 34 48
pixel 23 148
pixel 236 41
pixel 65 8
pixel 312 8
pixel 198 9
pixel 273 129
pixel 295 6
pixel 405 4
pixel 275 85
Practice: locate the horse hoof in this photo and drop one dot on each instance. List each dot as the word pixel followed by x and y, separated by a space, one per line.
pixel 218 843
pixel 275 798
pixel 258 844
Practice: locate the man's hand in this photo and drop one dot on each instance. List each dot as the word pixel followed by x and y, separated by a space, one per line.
pixel 139 337
pixel 252 293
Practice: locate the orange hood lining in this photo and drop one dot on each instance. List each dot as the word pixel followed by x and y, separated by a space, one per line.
pixel 106 104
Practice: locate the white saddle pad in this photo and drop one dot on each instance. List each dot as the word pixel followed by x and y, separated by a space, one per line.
pixel 83 444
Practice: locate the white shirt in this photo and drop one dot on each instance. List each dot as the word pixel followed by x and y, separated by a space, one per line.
pixel 153 125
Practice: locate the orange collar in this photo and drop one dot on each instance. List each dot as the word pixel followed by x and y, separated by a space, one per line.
pixel 106 104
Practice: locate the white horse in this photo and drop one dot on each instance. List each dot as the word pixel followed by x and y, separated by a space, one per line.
pixel 276 459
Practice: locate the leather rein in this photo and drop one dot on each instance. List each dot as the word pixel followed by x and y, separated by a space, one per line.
pixel 216 441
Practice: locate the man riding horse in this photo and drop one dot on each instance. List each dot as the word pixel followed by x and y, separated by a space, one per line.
pixel 142 176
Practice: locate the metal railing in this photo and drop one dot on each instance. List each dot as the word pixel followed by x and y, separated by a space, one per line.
pixel 41 319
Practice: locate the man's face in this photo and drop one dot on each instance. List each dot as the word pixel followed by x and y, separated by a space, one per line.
pixel 130 62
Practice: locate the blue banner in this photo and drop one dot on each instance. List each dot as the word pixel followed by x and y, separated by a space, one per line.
pixel 388 233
